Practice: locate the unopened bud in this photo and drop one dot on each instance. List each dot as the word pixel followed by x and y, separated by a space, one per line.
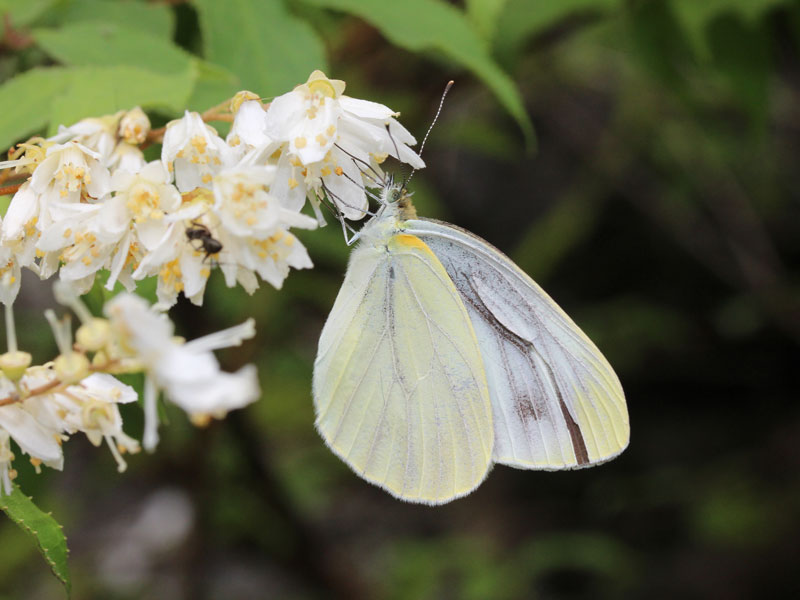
pixel 13 364
pixel 200 419
pixel 134 126
pixel 93 335
pixel 242 97
pixel 71 367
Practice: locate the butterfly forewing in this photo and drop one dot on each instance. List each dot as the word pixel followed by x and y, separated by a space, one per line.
pixel 557 403
pixel 399 385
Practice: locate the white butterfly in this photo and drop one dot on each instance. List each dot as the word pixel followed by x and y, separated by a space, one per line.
pixel 441 357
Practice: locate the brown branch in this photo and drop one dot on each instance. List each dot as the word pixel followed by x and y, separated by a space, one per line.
pixel 10 189
pixel 14 398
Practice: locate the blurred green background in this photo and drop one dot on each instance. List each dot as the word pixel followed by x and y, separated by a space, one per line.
pixel 640 159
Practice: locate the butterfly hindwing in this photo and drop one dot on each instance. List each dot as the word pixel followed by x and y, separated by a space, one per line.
pixel 557 402
pixel 399 385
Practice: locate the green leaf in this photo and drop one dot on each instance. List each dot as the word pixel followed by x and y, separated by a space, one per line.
pixel 109 44
pixel 523 19
pixel 25 102
pixel 695 15
pixel 155 19
pixel 22 14
pixel 660 44
pixel 741 53
pixel 44 529
pixel 214 85
pixel 96 91
pixel 484 15
pixel 422 25
pixel 268 48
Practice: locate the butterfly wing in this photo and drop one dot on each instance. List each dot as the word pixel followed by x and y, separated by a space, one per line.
pixel 557 402
pixel 399 387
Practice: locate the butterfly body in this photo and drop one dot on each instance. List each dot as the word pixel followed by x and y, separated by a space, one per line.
pixel 442 357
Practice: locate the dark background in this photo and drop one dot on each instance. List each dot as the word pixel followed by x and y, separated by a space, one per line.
pixel 659 206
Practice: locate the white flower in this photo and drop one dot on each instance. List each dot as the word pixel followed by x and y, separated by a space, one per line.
pixel 35 438
pixel 69 172
pixel 96 134
pixel 271 258
pixel 248 131
pixel 134 126
pixel 19 229
pixel 126 158
pixel 307 117
pixel 334 144
pixel 85 235
pixel 6 458
pixel 194 151
pixel 10 276
pixel 246 208
pixel 91 407
pixel 179 265
pixel 188 373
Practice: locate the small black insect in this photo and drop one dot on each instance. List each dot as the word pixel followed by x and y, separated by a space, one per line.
pixel 209 244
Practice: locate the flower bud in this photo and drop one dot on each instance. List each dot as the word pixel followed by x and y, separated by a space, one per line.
pixel 13 364
pixel 134 126
pixel 242 97
pixel 71 367
pixel 93 335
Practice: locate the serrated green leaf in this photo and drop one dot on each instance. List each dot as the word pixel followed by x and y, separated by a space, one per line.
pixel 43 528
pixel 268 48
pixel 523 19
pixel 25 102
pixel 695 16
pixel 156 19
pixel 109 44
pixel 96 91
pixel 423 25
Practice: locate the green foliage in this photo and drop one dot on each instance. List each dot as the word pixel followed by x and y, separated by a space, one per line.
pixel 424 25
pixel 269 49
pixel 522 20
pixel 94 91
pixel 21 14
pixel 25 102
pixel 44 529
pixel 107 44
pixel 155 19
pixel 484 15
pixel 696 17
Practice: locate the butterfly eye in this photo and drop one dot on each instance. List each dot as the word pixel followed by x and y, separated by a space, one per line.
pixel 396 195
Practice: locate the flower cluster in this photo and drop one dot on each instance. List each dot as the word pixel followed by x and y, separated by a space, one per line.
pixel 88 202
pixel 92 202
pixel 42 405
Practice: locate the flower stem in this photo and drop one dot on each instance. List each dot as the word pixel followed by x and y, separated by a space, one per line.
pixel 11 330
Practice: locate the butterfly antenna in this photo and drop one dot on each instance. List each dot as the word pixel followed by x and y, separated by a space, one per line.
pixel 394 143
pixel 435 118
pixel 355 159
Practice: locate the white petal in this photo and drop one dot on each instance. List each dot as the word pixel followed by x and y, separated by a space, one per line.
pixel 283 114
pixel 34 439
pixel 366 109
pixel 227 338
pixel 24 206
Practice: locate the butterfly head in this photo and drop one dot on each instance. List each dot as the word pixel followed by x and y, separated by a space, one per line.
pixel 397 200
